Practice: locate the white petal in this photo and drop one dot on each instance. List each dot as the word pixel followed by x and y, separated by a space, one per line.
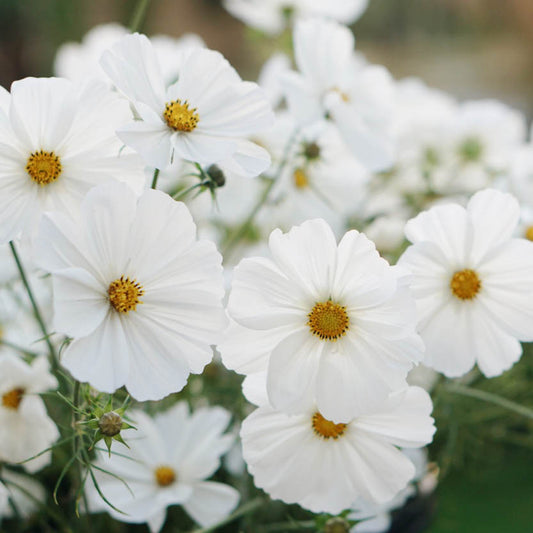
pixel 101 358
pixel 292 371
pixel 307 254
pixel 403 420
pixel 448 226
pixel 211 502
pixel 494 215
pixel 80 302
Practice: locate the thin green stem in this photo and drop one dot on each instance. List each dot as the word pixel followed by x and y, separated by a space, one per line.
pixel 488 397
pixel 18 348
pixel 241 511
pixel 48 509
pixel 155 178
pixel 289 526
pixel 139 15
pixel 182 194
pixel 38 316
pixel 243 228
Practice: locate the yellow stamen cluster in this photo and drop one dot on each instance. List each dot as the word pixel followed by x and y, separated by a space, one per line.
pixel 328 320
pixel 179 117
pixel 12 399
pixel 529 233
pixel 300 179
pixel 465 284
pixel 326 428
pixel 43 167
pixel 165 475
pixel 124 294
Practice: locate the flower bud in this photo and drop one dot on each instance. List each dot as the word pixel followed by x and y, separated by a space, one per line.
pixel 110 424
pixel 336 525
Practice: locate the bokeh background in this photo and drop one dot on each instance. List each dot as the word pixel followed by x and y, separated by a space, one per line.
pixel 470 48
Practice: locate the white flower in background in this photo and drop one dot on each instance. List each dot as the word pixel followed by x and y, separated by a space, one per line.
pixel 57 141
pixel 470 277
pixel 135 289
pixel 330 323
pixel 25 428
pixel 270 77
pixel 325 466
pixel 272 16
pixel 168 459
pixel 423 123
pixel 80 61
pixel 24 492
pixel 484 136
pixel 387 232
pixel 203 117
pixel 331 82
pixel 321 177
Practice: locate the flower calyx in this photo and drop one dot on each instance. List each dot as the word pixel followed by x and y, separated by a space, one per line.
pixel 109 423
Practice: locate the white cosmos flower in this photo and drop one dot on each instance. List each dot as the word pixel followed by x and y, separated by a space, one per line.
pixel 202 117
pixel 332 83
pixel 330 323
pixel 25 428
pixel 470 277
pixel 167 461
pixel 57 141
pixel 324 466
pixel 139 294
pixel 271 16
pixel 24 491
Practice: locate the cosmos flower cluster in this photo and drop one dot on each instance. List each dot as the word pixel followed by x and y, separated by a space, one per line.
pixel 297 278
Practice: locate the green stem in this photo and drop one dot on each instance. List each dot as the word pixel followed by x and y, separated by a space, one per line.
pixel 18 348
pixel 154 179
pixel 243 228
pixel 488 397
pixel 241 511
pixel 289 526
pixel 181 194
pixel 139 15
pixel 53 355
pixel 48 509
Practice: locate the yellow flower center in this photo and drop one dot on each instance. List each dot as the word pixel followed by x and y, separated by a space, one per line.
pixel 43 167
pixel 124 294
pixel 326 428
pixel 529 233
pixel 12 399
pixel 179 117
pixel 165 475
pixel 328 320
pixel 300 179
pixel 465 284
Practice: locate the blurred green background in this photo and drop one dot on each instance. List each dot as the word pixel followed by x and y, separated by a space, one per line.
pixel 470 48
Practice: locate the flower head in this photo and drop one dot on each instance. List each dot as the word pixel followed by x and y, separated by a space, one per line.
pixel 138 293
pixel 328 323
pixel 470 277
pixel 167 462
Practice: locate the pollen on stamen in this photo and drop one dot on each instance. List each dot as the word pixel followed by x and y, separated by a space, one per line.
pixel 12 399
pixel 180 117
pixel 124 294
pixel 43 167
pixel 328 320
pixel 165 475
pixel 326 428
pixel 465 284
